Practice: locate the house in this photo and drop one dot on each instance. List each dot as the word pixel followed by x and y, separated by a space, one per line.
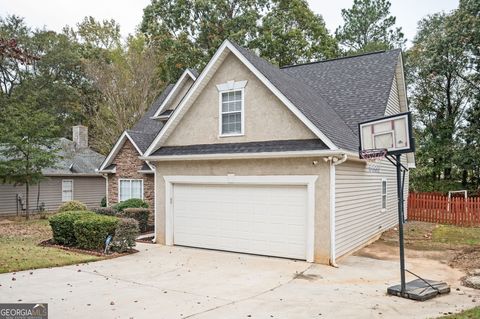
pixel 73 177
pixel 264 160
pixel 127 175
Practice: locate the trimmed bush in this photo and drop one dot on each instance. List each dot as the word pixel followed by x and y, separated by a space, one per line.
pixel 139 214
pixel 131 203
pixel 125 234
pixel 109 211
pixel 91 232
pixel 103 202
pixel 62 226
pixel 72 206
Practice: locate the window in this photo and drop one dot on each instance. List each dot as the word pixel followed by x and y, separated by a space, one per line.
pixel 384 194
pixel 130 188
pixel 231 109
pixel 67 190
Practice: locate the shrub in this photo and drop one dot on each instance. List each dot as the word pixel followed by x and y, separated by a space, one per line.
pixel 91 232
pixel 103 202
pixel 125 234
pixel 72 206
pixel 109 211
pixel 62 226
pixel 131 203
pixel 139 214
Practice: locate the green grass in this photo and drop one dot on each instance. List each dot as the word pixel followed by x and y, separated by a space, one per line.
pixel 467 314
pixel 456 235
pixel 19 249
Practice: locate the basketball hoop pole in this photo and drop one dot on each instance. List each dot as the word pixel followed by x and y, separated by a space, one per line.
pixel 398 164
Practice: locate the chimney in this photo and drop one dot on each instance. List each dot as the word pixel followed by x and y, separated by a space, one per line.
pixel 80 136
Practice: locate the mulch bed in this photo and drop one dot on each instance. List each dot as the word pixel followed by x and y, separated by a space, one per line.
pixel 51 243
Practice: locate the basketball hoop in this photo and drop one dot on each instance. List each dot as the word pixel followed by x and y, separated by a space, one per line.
pixel 373 158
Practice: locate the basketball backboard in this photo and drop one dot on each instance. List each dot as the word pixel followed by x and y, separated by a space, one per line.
pixel 391 133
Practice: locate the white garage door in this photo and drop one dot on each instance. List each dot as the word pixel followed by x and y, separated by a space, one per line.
pixel 266 220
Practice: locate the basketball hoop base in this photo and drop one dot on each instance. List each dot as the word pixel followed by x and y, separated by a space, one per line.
pixel 420 290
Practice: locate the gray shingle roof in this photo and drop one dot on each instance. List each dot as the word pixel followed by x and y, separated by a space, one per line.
pixel 74 161
pixel 357 87
pixel 327 96
pixel 145 130
pixel 249 147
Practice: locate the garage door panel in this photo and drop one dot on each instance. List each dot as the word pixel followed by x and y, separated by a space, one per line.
pixel 267 220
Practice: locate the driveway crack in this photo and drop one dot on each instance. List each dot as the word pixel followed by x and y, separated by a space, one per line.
pixel 250 297
pixel 96 273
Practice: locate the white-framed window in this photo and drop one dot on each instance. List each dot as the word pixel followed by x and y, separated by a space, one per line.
pixel 130 188
pixel 384 194
pixel 231 112
pixel 67 190
pixel 231 98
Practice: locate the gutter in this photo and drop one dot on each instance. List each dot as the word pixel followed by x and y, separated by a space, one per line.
pixel 334 161
pixel 226 156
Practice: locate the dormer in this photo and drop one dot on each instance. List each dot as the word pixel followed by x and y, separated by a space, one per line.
pixel 176 95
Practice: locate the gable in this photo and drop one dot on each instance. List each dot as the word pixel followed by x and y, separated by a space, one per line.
pixel 266 117
pixel 179 95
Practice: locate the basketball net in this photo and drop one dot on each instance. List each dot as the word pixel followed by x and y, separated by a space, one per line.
pixel 373 158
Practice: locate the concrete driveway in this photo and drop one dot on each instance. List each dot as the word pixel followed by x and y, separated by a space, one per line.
pixel 176 282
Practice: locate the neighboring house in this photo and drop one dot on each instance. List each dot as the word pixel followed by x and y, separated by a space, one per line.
pixel 73 177
pixel 127 175
pixel 264 160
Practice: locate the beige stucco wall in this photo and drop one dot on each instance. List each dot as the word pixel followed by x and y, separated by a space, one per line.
pixel 182 90
pixel 266 117
pixel 252 167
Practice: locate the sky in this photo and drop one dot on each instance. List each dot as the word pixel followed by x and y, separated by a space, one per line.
pixel 55 14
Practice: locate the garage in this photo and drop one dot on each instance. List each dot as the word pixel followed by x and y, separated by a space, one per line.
pixel 260 217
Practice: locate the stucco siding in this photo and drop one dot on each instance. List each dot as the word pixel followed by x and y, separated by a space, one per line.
pixel 266 118
pixel 250 167
pixel 88 190
pixel 172 104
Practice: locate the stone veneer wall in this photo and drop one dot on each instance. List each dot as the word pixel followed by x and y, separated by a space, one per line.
pixel 128 164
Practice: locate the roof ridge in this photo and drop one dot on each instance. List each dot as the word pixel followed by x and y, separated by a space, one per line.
pixel 340 58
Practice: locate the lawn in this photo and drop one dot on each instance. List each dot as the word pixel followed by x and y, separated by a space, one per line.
pixel 19 249
pixel 467 314
pixel 428 236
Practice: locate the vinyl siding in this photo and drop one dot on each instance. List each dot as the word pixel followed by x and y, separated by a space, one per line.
pixel 88 190
pixel 358 202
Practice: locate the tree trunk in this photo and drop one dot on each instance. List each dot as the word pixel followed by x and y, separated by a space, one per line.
pixel 27 204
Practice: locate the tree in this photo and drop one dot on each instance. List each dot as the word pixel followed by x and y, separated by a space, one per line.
pixel 291 33
pixel 27 141
pixel 187 32
pixel 127 83
pixel 368 26
pixel 439 96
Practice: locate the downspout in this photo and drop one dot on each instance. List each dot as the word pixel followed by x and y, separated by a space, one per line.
pixel 106 187
pixel 334 161
pixel 154 240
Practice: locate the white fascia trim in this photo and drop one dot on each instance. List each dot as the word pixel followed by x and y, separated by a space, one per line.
pixel 72 175
pixel 115 150
pixel 172 92
pixel 245 155
pixel 307 180
pixel 226 44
